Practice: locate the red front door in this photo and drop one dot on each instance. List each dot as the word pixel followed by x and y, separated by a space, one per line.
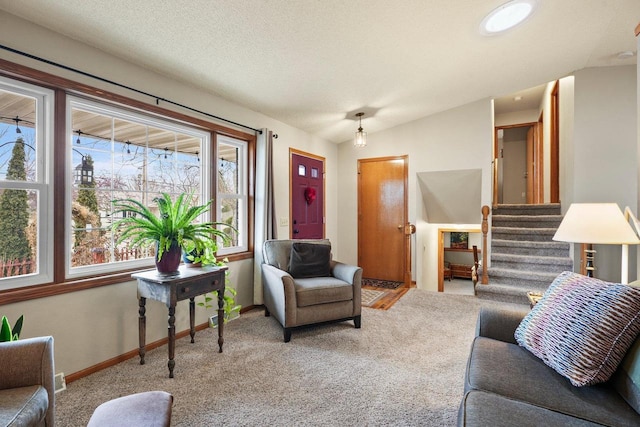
pixel 307 197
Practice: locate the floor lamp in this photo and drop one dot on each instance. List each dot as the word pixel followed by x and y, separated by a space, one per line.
pixel 598 223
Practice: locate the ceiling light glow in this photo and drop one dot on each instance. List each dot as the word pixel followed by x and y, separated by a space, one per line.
pixel 507 16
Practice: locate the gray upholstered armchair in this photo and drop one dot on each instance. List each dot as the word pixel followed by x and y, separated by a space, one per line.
pixel 303 285
pixel 26 382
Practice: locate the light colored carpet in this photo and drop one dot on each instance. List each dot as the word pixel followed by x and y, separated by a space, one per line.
pixel 405 367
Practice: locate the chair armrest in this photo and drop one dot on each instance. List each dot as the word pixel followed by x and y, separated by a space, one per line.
pixel 278 287
pixel 499 324
pixel 347 273
pixel 29 362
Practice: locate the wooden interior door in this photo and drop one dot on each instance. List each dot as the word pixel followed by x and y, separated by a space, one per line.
pixel 307 196
pixel 383 229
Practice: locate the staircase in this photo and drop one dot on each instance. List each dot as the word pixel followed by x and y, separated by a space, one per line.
pixel 523 256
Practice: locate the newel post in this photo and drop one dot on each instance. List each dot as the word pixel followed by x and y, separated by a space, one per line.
pixel 485 229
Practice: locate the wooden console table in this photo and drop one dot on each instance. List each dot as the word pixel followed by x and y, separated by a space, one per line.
pixel 169 289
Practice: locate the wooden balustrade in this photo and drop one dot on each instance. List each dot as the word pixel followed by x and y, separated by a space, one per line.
pixel 485 229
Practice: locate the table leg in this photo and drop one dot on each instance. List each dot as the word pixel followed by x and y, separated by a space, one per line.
pixel 220 318
pixel 172 339
pixel 192 318
pixel 142 328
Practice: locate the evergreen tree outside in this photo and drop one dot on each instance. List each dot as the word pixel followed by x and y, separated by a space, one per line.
pixel 14 244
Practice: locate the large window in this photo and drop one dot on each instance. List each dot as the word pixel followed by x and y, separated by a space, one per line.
pixel 117 154
pixel 232 192
pixel 25 184
pixel 65 158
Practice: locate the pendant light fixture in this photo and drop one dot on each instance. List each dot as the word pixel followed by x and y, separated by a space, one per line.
pixel 361 136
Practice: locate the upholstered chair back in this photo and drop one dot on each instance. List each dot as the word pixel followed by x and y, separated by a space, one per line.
pixel 278 252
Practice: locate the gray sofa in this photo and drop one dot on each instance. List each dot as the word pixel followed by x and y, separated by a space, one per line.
pixel 27 382
pixel 506 385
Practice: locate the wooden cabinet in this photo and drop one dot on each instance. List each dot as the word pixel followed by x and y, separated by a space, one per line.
pixel 460 261
pixel 461 270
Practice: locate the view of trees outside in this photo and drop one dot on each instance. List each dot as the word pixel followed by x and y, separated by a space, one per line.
pixel 126 160
pixel 228 187
pixel 18 205
pixel 110 158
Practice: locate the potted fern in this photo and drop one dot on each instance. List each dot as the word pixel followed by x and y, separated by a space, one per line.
pixel 173 228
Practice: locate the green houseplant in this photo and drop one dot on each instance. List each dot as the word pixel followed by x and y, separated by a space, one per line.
pixel 174 227
pixel 206 256
pixel 10 334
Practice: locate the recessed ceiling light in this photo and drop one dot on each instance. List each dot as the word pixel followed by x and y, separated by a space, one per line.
pixel 507 16
pixel 517 98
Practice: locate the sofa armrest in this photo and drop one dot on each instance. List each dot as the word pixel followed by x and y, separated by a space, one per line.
pixel 499 323
pixel 29 362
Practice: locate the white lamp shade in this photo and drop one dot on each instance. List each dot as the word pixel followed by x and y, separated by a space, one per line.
pixel 596 223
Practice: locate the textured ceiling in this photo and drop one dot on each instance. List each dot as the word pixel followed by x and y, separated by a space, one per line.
pixel 314 63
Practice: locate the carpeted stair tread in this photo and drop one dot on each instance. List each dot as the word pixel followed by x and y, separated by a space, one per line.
pixel 518 233
pixel 519 209
pixel 512 277
pixel 529 244
pixel 526 259
pixel 526 221
pixel 530 248
pixel 507 293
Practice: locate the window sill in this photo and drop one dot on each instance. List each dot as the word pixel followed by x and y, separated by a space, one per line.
pixel 10 296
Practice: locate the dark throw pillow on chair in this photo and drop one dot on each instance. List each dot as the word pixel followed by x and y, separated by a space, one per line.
pixel 310 260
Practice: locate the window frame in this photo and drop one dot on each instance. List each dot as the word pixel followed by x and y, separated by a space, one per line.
pixel 43 183
pixel 61 88
pixel 243 196
pixel 118 112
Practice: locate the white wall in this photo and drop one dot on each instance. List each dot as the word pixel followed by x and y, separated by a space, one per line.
pixel 95 325
pixel 605 148
pixel 460 138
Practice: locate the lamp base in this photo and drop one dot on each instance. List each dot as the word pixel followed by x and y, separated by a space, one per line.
pixel 589 256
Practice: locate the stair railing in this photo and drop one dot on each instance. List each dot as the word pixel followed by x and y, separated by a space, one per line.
pixel 485 229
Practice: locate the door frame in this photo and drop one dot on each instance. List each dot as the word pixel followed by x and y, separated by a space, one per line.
pixel 537 152
pixel 408 229
pixel 293 151
pixel 554 144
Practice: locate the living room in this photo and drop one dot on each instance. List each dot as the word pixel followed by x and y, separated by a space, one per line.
pixel 97 326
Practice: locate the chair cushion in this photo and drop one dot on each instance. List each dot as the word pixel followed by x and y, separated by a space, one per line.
pixel 310 260
pixel 511 371
pixel 23 406
pixel 321 290
pixel 582 327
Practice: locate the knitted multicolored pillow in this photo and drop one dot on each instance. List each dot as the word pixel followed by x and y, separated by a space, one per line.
pixel 582 327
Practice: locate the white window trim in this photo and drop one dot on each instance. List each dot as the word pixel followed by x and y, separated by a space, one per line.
pixel 43 183
pixel 243 197
pixel 117 111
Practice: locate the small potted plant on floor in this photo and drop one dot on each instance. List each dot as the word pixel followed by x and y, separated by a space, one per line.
pixel 173 228
pixel 7 333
